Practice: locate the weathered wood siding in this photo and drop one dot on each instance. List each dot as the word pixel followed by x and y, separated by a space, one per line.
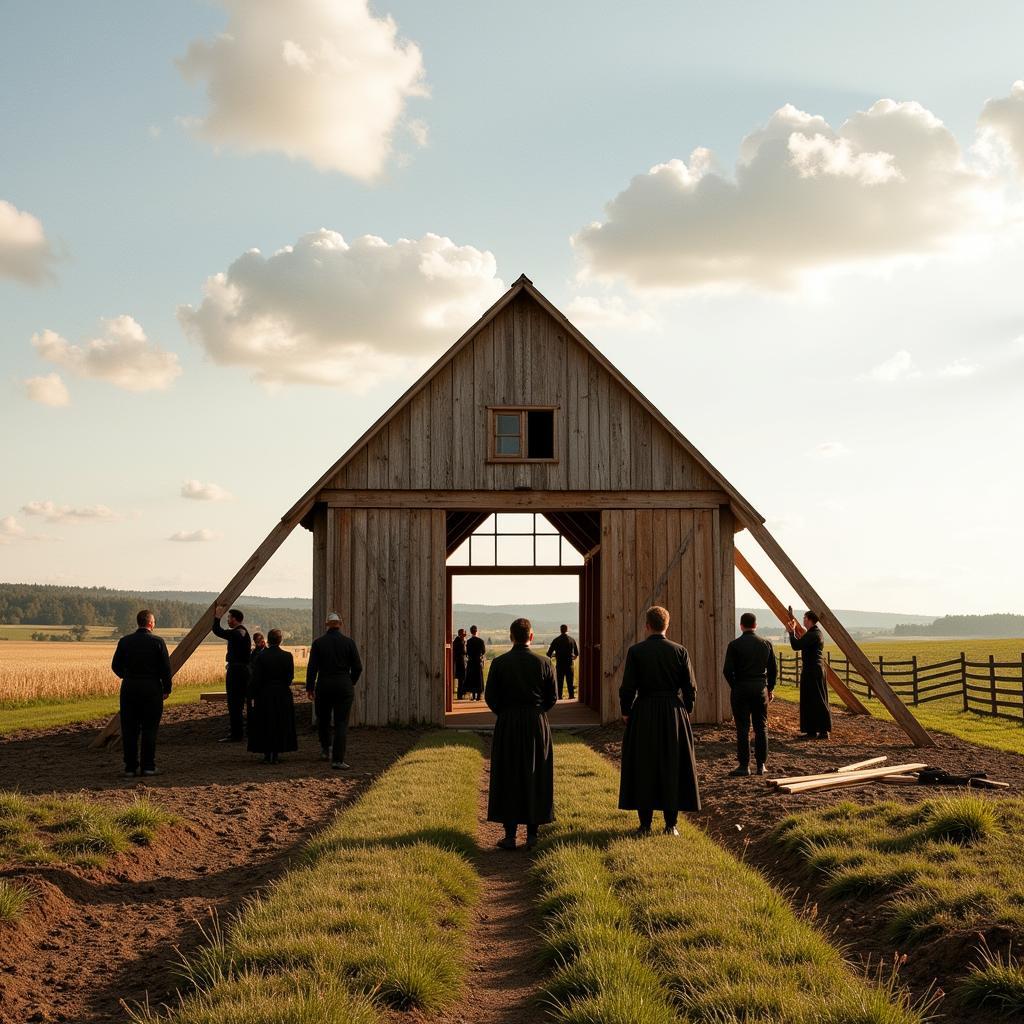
pixel 385 575
pixel 605 439
pixel 666 557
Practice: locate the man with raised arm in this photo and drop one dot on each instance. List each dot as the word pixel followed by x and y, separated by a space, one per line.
pixel 750 672
pixel 659 770
pixel 520 691
pixel 333 669
pixel 142 664
pixel 815 716
pixel 236 676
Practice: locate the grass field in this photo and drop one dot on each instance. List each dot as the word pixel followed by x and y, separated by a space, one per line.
pixel 663 929
pixel 373 921
pixel 945 871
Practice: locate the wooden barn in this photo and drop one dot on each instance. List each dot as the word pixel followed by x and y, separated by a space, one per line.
pixel 523 415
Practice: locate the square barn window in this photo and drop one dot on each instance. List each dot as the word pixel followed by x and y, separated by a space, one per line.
pixel 523 435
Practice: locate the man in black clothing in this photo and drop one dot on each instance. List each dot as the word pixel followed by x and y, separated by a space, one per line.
pixel 520 691
pixel 476 652
pixel 459 663
pixel 659 770
pixel 565 652
pixel 750 672
pixel 237 675
pixel 333 670
pixel 815 715
pixel 144 668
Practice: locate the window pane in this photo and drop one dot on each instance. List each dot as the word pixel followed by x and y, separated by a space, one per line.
pixel 547 550
pixel 508 423
pixel 544 524
pixel 515 551
pixel 540 433
pixel 515 522
pixel 460 556
pixel 508 445
pixel 482 550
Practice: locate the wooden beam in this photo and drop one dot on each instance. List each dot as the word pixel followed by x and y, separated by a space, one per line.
pixel 515 570
pixel 231 593
pixel 837 631
pixel 520 501
pixel 751 575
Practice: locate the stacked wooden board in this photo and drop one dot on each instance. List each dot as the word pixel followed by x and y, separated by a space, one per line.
pixel 864 773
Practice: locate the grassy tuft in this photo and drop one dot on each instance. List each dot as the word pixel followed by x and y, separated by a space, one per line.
pixel 964 819
pixel 14 897
pixel 996 984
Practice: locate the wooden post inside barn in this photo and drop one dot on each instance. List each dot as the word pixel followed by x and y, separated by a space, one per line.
pixel 524 414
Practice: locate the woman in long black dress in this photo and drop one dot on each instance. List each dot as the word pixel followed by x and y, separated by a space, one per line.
pixel 815 716
pixel 272 727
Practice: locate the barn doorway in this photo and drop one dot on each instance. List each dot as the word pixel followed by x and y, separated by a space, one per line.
pixel 545 565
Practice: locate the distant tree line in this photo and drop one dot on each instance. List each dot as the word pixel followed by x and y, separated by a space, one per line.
pixel 41 605
pixel 1004 625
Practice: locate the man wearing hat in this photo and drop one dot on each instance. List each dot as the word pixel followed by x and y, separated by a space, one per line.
pixel 333 670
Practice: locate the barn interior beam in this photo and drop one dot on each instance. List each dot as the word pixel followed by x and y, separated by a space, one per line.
pixel 837 631
pixel 521 501
pixel 751 575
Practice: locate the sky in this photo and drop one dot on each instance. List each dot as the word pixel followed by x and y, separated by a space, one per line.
pixel 231 233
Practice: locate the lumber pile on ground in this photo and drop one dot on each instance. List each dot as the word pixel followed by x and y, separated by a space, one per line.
pixel 864 773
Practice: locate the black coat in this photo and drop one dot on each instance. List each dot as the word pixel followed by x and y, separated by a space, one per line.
pixel 459 657
pixel 142 656
pixel 563 649
pixel 520 690
pixel 239 643
pixel 750 664
pixel 815 715
pixel 659 770
pixel 333 656
pixel 272 721
pixel 475 652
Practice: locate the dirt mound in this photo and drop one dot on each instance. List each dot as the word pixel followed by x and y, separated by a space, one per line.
pixel 96 936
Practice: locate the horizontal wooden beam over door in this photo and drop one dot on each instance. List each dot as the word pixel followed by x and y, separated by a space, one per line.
pixel 515 570
pixel 521 501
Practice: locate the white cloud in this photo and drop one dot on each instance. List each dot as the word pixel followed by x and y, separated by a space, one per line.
pixel 52 512
pixel 48 390
pixel 1003 119
pixel 899 366
pixel 26 254
pixel 203 492
pixel 10 529
pixel 829 450
pixel 891 183
pixel 193 536
pixel 610 312
pixel 326 312
pixel 318 80
pixel 959 368
pixel 122 356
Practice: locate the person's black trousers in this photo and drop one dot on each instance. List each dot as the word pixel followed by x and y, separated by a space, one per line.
pixel 511 827
pixel 142 704
pixel 334 695
pixel 237 686
pixel 566 674
pixel 750 709
pixel 646 817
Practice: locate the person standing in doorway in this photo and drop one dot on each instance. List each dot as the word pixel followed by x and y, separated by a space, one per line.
pixel 815 716
pixel 565 652
pixel 459 663
pixel 476 652
pixel 659 770
pixel 237 675
pixel 333 670
pixel 750 672
pixel 520 692
pixel 142 664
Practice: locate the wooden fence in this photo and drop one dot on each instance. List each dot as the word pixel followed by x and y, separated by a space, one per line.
pixel 986 687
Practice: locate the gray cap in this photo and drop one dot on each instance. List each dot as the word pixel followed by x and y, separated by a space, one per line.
pixel 334 617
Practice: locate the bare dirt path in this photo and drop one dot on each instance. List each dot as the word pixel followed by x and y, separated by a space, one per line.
pixel 97 936
pixel 504 980
pixel 741 813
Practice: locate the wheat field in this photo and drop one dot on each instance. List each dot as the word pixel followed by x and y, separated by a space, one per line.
pixel 31 671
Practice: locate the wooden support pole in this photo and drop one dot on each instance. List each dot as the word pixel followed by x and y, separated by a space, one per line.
pixel 837 631
pixel 751 575
pixel 231 593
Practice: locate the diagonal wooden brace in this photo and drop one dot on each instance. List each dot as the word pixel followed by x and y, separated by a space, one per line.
pixel 751 575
